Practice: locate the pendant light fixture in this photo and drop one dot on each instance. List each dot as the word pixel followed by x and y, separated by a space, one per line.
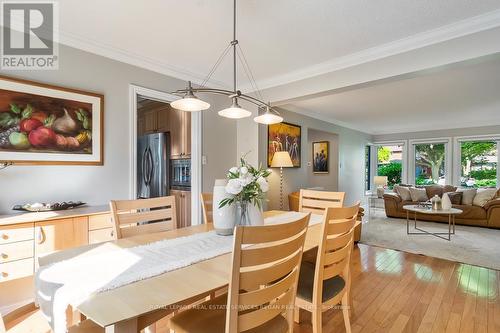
pixel 268 117
pixel 189 102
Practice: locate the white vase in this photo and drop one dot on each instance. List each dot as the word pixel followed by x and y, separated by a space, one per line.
pixel 224 218
pixel 446 202
pixel 255 214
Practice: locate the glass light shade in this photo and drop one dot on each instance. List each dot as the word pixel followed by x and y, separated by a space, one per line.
pixel 235 112
pixel 281 159
pixel 190 103
pixel 268 118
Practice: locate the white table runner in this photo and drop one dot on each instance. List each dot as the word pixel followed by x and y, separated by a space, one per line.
pixel 72 281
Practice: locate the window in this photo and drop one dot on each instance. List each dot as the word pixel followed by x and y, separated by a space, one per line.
pixel 478 163
pixel 390 163
pixel 430 163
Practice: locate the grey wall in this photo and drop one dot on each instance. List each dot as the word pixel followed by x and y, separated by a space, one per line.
pixel 351 145
pixel 439 133
pixel 99 184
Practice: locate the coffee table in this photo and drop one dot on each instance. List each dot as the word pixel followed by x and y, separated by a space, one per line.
pixel 421 210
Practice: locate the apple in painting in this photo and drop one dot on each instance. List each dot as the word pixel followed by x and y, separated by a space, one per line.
pixel 28 125
pixel 19 140
pixel 42 137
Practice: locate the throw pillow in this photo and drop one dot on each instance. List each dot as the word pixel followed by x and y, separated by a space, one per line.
pixel 418 194
pixel 403 192
pixel 467 195
pixel 455 197
pixel 483 196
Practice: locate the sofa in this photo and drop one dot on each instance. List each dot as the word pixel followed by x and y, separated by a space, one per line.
pixel 486 216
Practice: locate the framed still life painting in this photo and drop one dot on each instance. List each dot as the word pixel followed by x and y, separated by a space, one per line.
pixel 284 137
pixel 321 157
pixel 45 124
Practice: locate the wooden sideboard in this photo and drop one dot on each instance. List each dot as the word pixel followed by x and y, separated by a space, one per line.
pixel 25 237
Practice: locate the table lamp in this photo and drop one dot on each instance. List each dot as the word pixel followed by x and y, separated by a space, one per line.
pixel 281 159
pixel 380 181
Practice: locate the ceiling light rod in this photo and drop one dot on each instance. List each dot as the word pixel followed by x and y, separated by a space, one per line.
pixel 189 102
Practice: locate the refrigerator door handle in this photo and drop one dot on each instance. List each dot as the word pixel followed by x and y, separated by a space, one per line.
pixel 150 166
pixel 144 171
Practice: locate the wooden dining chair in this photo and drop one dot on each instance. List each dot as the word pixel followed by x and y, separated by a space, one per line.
pixel 26 318
pixel 207 201
pixel 317 201
pixel 327 283
pixel 262 287
pixel 130 216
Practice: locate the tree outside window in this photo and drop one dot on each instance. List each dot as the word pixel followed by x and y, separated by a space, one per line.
pixel 389 159
pixel 430 163
pixel 479 162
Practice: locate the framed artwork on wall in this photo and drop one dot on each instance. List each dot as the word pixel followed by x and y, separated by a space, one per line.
pixel 284 137
pixel 46 124
pixel 321 156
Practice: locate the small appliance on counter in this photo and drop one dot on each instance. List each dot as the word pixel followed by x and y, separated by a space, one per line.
pixel 181 174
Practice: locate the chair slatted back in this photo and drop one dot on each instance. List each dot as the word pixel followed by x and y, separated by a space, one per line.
pixel 133 217
pixel 335 248
pixel 317 201
pixel 207 201
pixel 266 263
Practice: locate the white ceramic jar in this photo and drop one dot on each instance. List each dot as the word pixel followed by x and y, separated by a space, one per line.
pixel 224 218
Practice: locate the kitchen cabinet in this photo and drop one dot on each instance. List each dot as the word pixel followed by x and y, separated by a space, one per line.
pixel 60 234
pixel 180 133
pixel 153 121
pixel 183 207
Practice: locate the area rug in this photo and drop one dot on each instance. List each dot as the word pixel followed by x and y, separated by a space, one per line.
pixel 470 245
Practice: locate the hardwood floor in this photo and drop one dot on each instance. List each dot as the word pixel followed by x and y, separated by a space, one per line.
pixel 395 291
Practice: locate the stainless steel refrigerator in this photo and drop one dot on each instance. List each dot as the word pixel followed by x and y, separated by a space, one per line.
pixel 153 161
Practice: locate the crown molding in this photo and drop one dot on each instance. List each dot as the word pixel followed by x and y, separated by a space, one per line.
pixel 439 127
pixel 135 59
pixel 445 33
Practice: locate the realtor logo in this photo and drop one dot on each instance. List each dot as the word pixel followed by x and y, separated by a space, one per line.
pixel 29 35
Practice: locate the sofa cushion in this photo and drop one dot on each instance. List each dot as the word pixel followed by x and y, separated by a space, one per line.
pixel 467 195
pixel 455 197
pixel 403 192
pixel 483 196
pixel 418 194
pixel 433 190
pixel 471 212
pixel 449 188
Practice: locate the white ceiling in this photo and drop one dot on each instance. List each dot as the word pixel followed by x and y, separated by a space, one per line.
pixel 278 36
pixel 301 49
pixel 465 95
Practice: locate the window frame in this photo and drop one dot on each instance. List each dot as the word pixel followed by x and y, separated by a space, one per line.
pixel 448 151
pixel 457 151
pixel 374 159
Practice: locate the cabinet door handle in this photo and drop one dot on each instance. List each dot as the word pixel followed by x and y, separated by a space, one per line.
pixel 4 255
pixel 5 274
pixel 5 236
pixel 40 235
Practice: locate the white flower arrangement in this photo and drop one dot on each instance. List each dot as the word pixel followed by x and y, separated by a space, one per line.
pixel 246 184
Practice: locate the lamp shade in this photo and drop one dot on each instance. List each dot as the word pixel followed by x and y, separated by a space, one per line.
pixel 268 118
pixel 380 180
pixel 281 159
pixel 235 111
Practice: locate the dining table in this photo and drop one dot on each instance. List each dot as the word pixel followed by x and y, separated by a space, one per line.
pixel 143 302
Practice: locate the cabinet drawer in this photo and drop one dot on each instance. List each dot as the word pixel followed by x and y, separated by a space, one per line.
pixel 100 221
pixel 16 233
pixel 101 235
pixel 16 269
pixel 16 251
